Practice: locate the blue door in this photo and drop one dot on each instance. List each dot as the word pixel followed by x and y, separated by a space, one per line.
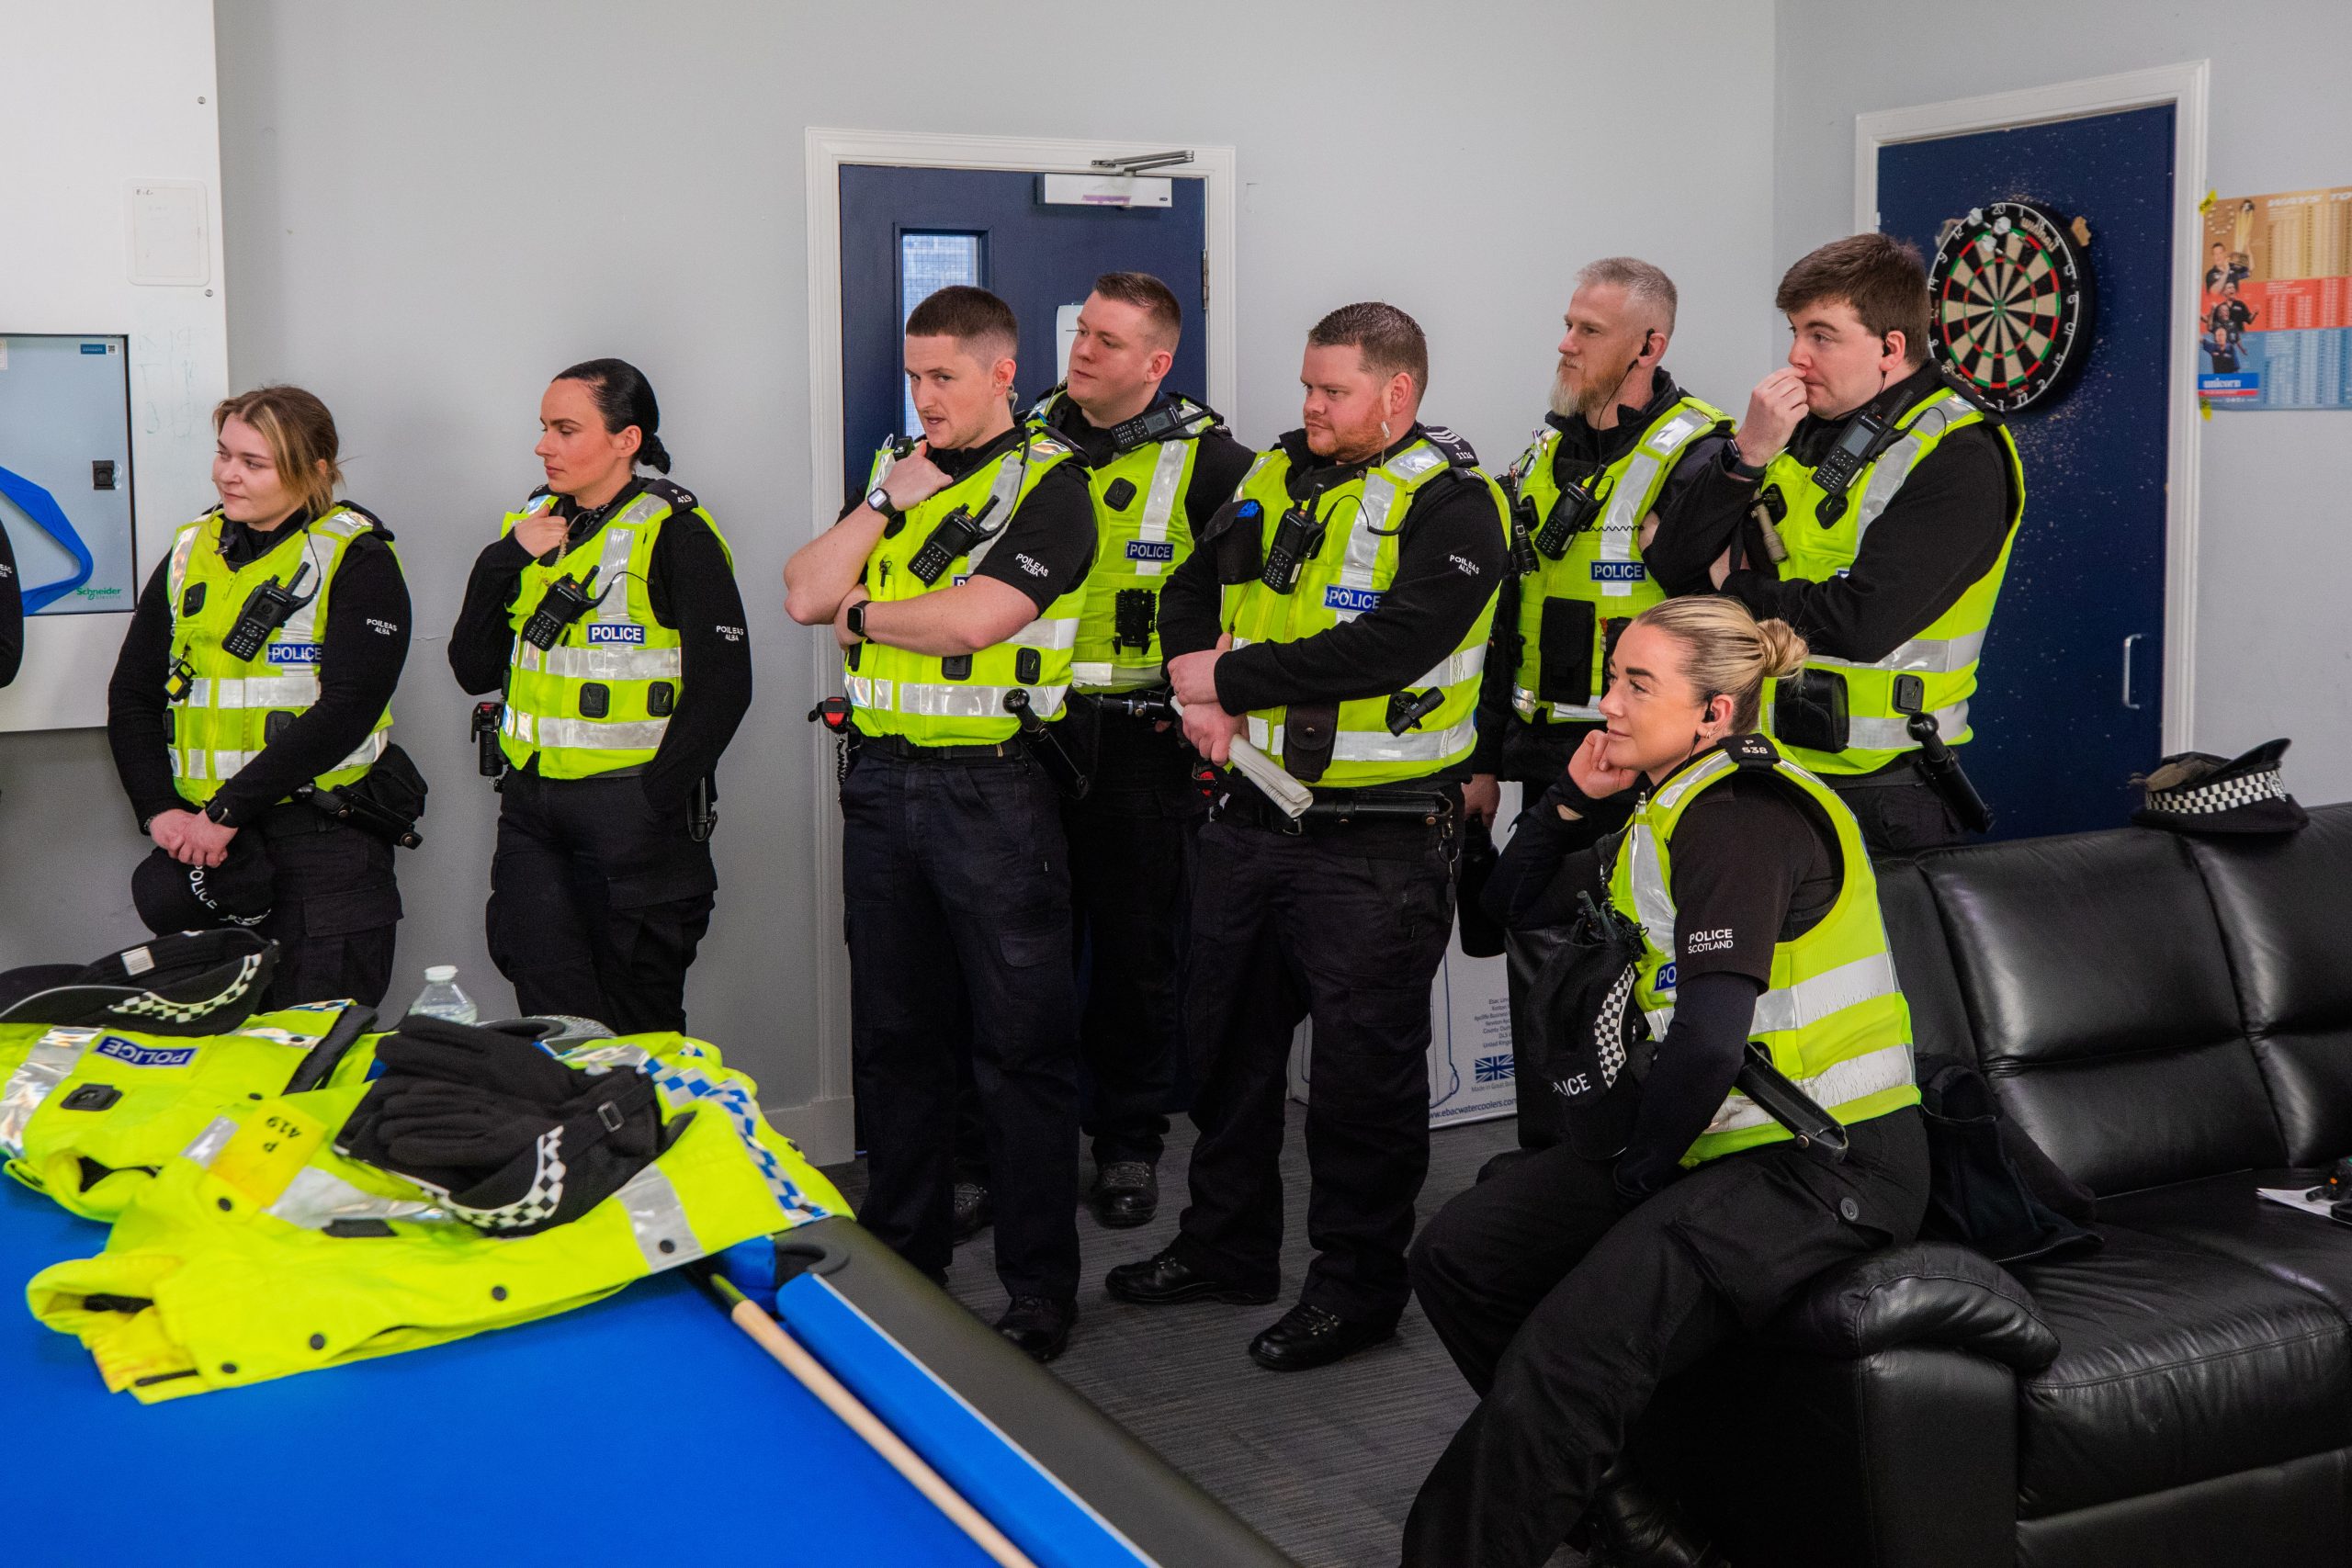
pixel 906 232
pixel 2072 698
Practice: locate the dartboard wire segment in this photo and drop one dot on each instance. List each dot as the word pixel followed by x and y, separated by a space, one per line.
pixel 2012 303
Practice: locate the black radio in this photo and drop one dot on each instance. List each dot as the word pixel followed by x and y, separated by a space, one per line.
pixel 957 534
pixel 565 601
pixel 1296 538
pixel 1857 445
pixel 1571 515
pixel 266 610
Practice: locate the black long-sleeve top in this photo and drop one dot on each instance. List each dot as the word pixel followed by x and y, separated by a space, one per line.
pixel 1752 867
pixel 689 585
pixel 1689 538
pixel 1449 563
pixel 1943 530
pixel 12 614
pixel 361 651
pixel 1218 466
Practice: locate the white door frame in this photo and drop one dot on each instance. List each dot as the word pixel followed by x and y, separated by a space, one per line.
pixel 824 1126
pixel 2184 87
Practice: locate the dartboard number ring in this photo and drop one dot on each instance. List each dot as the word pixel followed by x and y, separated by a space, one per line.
pixel 2010 300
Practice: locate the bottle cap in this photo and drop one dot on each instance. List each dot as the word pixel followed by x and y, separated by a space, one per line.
pixel 440 973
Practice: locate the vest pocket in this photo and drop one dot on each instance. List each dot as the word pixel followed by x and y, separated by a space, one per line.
pixel 595 700
pixel 1809 710
pixel 1309 734
pixel 275 725
pixel 660 699
pixel 957 667
pixel 1564 642
pixel 1028 667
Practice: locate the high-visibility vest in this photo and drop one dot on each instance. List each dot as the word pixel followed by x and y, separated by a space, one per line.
pixel 959 701
pixel 1142 536
pixel 1574 608
pixel 88 1115
pixel 1363 519
pixel 260 1252
pixel 1833 1015
pixel 601 698
pixel 1944 654
pixel 232 708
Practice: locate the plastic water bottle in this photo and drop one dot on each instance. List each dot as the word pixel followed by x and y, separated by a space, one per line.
pixel 441 997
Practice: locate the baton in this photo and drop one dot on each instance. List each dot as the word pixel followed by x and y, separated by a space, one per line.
pixel 1290 796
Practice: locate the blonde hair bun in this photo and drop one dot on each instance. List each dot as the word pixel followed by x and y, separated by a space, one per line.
pixel 1785 651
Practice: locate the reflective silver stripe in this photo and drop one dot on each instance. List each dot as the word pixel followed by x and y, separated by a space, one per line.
pixel 1840 1083
pixel 1061 634
pixel 611 567
pixel 1890 734
pixel 658 1220
pixel 1090 675
pixel 1832 991
pixel 1716 762
pixel 588 734
pixel 605 662
pixel 1364 533
pixel 183 547
pixel 1920 655
pixel 613 1056
pixel 208 1144
pixel 1167 478
pixel 960 699
pixel 1620 526
pixel 1528 705
pixel 1894 465
pixel 1413 462
pixel 1464 665
pixel 1005 491
pixel 51 1062
pixel 298 690
pixel 1378 745
pixel 191 765
pixel 316 1198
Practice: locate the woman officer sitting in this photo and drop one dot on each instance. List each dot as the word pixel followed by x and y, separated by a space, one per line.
pixel 259 664
pixel 1566 1287
pixel 607 610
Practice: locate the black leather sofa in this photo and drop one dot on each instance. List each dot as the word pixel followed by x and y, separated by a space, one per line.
pixel 2170 1019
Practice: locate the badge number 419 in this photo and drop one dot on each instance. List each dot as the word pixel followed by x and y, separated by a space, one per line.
pixel 266 1152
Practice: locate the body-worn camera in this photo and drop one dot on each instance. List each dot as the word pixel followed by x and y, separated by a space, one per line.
pixel 1296 538
pixel 566 600
pixel 1856 445
pixel 266 609
pixel 957 534
pixel 1133 613
pixel 1571 514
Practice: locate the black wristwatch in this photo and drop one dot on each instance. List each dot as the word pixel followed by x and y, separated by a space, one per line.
pixel 879 498
pixel 854 616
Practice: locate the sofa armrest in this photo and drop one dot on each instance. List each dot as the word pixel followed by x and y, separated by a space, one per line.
pixel 1930 1292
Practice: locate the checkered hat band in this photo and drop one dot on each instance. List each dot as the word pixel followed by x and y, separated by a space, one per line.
pixel 2208 800
pixel 538 1206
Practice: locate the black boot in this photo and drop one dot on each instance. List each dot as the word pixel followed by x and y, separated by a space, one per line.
pixel 1633 1526
pixel 974 1210
pixel 1127 1192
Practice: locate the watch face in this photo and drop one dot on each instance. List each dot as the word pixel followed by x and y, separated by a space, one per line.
pixel 2011 294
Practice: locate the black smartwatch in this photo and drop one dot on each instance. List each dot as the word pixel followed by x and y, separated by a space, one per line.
pixel 854 616
pixel 879 498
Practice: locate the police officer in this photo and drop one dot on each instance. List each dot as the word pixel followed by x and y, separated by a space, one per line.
pixel 607 610
pixel 952 585
pixel 1338 621
pixel 259 665
pixel 1895 498
pixel 1619 448
pixel 1159 464
pixel 1565 1287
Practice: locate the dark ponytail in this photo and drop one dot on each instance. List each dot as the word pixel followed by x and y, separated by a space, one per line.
pixel 623 397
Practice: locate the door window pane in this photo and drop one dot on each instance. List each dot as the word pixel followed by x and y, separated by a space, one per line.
pixel 927 263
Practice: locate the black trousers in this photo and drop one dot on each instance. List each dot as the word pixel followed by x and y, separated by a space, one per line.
pixel 336 909
pixel 1130 856
pixel 1346 925
pixel 596 903
pixel 1564 1313
pixel 955 882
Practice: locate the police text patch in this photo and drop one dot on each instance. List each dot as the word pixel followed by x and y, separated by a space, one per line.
pixel 137 1055
pixel 293 653
pixel 1151 549
pixel 1360 600
pixel 1620 572
pixel 616 632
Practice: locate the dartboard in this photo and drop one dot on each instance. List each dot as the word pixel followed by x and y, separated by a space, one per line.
pixel 2011 293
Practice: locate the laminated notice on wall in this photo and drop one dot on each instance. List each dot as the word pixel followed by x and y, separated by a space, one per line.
pixel 2274 322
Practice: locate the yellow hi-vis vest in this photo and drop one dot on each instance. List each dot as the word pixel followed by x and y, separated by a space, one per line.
pixel 1142 535
pixel 1364 520
pixel 601 698
pixel 1581 601
pixel 260 1252
pixel 959 701
pixel 1833 1015
pixel 88 1115
pixel 224 721
pixel 1944 654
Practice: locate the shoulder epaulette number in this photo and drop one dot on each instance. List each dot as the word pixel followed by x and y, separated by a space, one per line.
pixel 1751 750
pixel 680 498
pixel 1457 451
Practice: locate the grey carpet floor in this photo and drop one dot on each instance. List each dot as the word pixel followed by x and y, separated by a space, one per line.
pixel 1323 1463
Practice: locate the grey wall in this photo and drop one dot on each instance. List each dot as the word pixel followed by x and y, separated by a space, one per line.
pixel 432 205
pixel 2273 655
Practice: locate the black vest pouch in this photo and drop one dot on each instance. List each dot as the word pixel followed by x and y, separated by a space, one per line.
pixel 1234 540
pixel 275 726
pixel 1310 731
pixel 1809 710
pixel 955 666
pixel 660 699
pixel 595 700
pixel 1565 643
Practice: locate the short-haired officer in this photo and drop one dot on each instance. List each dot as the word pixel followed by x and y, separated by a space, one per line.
pixel 954 588
pixel 607 610
pixel 258 668
pixel 1896 498
pixel 1159 464
pixel 1604 477
pixel 1337 620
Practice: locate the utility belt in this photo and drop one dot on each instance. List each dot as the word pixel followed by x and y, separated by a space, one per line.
pixel 386 802
pixel 1338 812
pixel 1809 710
pixel 899 746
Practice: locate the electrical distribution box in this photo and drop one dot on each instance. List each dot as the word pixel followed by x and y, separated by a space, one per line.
pixel 65 472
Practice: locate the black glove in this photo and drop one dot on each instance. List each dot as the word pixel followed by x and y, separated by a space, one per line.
pixel 516 1138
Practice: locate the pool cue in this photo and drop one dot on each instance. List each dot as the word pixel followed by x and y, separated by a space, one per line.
pixel 812 1375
